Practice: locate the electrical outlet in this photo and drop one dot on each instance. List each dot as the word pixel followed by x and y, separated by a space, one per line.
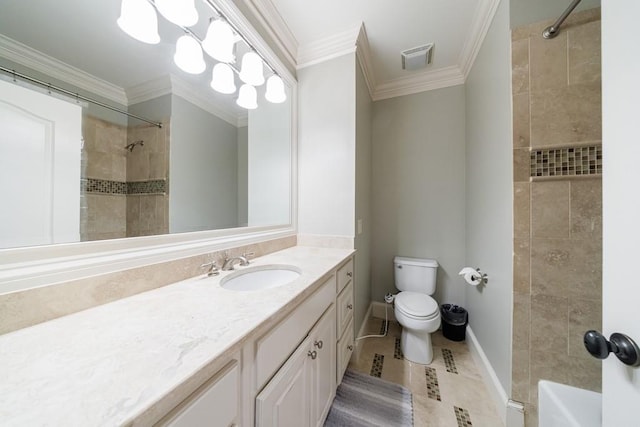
pixel 359 222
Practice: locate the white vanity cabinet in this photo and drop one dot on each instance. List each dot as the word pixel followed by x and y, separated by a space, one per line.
pixel 301 392
pixel 215 404
pixel 344 307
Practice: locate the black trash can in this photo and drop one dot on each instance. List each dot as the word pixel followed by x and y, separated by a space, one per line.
pixel 454 321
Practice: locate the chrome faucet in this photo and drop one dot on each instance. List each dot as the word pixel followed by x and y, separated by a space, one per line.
pixel 229 262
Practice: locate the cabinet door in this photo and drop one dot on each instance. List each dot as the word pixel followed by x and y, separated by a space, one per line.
pixel 323 367
pixel 285 401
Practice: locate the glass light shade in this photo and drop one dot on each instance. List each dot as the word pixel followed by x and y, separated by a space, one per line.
pixel 275 90
pixel 219 41
pixel 247 98
pixel 189 55
pixel 251 71
pixel 222 79
pixel 139 20
pixel 180 12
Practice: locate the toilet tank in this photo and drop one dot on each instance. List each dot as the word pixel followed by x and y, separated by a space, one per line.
pixel 415 274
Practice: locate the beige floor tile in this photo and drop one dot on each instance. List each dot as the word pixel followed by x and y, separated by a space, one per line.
pixel 464 389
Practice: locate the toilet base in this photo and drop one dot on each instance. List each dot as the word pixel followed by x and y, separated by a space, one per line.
pixel 416 346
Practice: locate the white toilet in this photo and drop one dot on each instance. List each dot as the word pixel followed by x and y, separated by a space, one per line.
pixel 415 310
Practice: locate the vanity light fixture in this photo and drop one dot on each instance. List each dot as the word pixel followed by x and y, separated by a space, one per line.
pixel 251 71
pixel 139 20
pixel 247 98
pixel 181 12
pixel 219 41
pixel 275 90
pixel 188 55
pixel 222 79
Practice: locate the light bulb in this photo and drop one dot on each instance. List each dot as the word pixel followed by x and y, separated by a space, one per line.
pixel 222 79
pixel 247 98
pixel 180 12
pixel 275 90
pixel 251 71
pixel 189 55
pixel 139 20
pixel 219 41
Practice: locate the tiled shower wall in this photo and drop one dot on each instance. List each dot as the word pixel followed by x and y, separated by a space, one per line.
pixel 557 205
pixel 124 193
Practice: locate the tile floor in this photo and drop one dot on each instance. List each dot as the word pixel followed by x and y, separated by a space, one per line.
pixel 447 393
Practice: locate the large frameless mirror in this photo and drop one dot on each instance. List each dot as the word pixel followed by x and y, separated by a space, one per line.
pixel 205 144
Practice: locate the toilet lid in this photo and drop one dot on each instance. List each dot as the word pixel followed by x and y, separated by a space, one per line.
pixel 416 304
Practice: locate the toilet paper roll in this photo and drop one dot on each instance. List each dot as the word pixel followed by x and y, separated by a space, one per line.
pixel 471 276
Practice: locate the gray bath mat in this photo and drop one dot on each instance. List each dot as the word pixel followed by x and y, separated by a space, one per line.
pixel 365 401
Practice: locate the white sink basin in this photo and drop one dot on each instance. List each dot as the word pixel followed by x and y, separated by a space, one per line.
pixel 260 277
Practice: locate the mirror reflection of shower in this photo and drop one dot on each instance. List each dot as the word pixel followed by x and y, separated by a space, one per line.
pixel 131 146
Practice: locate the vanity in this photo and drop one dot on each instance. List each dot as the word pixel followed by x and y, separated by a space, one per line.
pixel 191 353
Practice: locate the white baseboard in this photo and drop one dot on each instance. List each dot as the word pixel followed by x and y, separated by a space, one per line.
pixel 497 392
pixel 367 315
pixel 377 310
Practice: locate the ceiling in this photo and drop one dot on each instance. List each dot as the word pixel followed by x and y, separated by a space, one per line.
pixel 84 34
pixel 455 26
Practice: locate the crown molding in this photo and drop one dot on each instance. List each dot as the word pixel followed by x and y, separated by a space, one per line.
pixel 269 17
pixel 363 53
pixel 54 68
pixel 485 11
pixel 422 82
pixel 328 48
pixel 171 84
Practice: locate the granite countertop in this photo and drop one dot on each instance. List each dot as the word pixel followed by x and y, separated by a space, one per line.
pixel 109 364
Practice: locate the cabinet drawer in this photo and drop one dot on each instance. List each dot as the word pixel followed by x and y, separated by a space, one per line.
pixel 214 404
pixel 345 348
pixel 275 347
pixel 345 274
pixel 345 308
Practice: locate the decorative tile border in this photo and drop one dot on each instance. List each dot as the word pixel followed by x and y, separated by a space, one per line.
pixel 376 366
pixel 571 161
pixel 103 186
pixel 147 187
pixel 397 353
pixel 462 416
pixel 433 389
pixel 90 185
pixel 449 361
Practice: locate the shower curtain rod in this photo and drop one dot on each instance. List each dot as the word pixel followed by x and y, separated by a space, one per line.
pixel 49 86
pixel 553 30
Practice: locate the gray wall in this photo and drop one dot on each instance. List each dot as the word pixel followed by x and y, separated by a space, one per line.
pixel 243 174
pixel 489 194
pixel 157 109
pixel 326 147
pixel 418 183
pixel 203 180
pixel 364 107
pixel 524 12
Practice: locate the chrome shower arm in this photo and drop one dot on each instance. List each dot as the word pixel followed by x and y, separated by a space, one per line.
pixel 553 30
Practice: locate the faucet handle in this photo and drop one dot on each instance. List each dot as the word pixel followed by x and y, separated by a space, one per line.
pixel 247 256
pixel 213 268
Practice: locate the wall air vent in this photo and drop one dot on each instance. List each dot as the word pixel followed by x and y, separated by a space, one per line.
pixel 417 57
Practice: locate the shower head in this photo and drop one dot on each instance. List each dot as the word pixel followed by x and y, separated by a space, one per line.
pixel 132 145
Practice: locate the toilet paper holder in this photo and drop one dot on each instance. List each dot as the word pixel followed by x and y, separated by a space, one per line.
pixel 475 276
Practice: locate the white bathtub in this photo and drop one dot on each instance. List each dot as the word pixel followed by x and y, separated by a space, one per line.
pixel 561 405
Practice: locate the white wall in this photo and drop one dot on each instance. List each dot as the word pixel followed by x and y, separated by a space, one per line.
pixel 326 147
pixel 203 187
pixel 418 187
pixel 243 174
pixel 364 107
pixel 269 164
pixel 489 185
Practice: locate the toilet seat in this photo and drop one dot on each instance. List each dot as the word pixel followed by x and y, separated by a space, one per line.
pixel 416 305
